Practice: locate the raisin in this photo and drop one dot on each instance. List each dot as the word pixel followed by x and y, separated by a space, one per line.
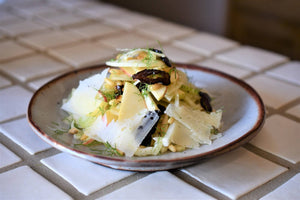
pixel 166 61
pixel 155 50
pixel 152 76
pixel 119 90
pixel 205 101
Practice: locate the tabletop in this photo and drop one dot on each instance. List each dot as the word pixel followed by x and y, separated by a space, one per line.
pixel 41 39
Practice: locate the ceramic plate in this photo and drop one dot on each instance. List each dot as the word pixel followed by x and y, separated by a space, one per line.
pixel 243 117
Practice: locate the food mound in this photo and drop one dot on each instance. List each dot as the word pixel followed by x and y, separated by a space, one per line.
pixel 141 106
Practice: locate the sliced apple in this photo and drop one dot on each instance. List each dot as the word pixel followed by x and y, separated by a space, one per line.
pixel 132 102
pixel 118 74
pixel 158 90
pixel 151 105
pixel 131 70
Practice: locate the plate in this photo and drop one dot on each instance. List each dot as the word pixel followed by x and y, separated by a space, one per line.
pixel 243 117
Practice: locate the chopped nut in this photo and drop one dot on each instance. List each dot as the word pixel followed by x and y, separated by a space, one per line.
pixel 73 131
pixel 171 120
pixel 121 153
pixel 156 86
pixel 179 148
pixel 163 149
pixel 113 102
pixel 172 148
pixel 84 137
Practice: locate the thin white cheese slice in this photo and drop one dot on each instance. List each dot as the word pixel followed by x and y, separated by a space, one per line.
pixel 199 122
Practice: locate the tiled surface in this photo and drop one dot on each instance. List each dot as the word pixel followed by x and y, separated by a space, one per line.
pixel 50 39
pixel 74 170
pixel 22 27
pixel 295 111
pixel 205 44
pixel 275 93
pixel 33 67
pixel 7 157
pixel 13 102
pixel 33 9
pixel 94 30
pixel 289 72
pixel 252 58
pixel 20 132
pixel 164 31
pixel 224 67
pixel 159 185
pixel 100 12
pixel 61 18
pixel 24 183
pixel 4 82
pixel 36 84
pixel 289 190
pixel 127 40
pixel 83 54
pixel 280 136
pixel 7 17
pixel 235 173
pixel 12 50
pixel 176 54
pixel 40 39
pixel 128 20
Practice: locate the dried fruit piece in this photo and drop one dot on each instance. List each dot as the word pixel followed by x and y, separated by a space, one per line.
pixel 152 76
pixel 205 101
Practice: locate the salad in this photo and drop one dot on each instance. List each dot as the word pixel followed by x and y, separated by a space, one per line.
pixel 142 105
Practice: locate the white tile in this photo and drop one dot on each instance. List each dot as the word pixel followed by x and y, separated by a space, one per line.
pixel 294 111
pixel 101 11
pixel 129 20
pixel 73 4
pixel 128 40
pixel 17 2
pixel 23 27
pixel 289 190
pixel 20 132
pixel 8 17
pixel 280 136
pixel 2 35
pixel 95 29
pixel 33 67
pixel 12 50
pixel 235 173
pixel 24 183
pixel 83 54
pixel 13 102
pixel 226 68
pixel 206 44
pixel 36 84
pixel 252 58
pixel 176 54
pixel 32 9
pixel 7 157
pixel 159 185
pixel 85 176
pixel 164 31
pixel 50 39
pixel 274 93
pixel 62 18
pixel 4 82
pixel 289 72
